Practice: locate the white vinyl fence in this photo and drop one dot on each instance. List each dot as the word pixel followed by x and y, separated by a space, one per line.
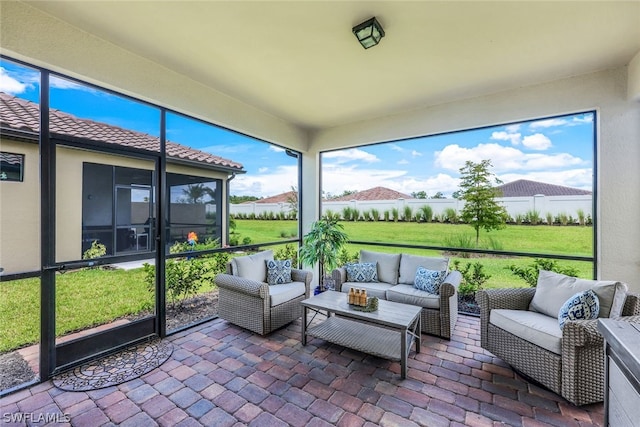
pixel 543 205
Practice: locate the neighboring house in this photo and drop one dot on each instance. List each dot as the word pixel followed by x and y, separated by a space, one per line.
pixel 375 193
pixel 102 193
pixel 287 197
pixel 526 188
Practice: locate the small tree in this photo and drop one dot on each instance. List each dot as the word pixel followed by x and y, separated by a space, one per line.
pixel 322 244
pixel 481 209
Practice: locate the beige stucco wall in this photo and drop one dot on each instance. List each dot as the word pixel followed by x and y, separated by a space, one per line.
pixel 20 213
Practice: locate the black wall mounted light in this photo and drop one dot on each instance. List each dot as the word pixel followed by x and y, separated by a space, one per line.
pixel 369 33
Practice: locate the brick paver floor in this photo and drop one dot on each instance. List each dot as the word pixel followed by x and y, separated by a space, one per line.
pixel 222 375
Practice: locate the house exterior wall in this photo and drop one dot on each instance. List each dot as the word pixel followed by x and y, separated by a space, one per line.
pixel 20 217
pixel 20 214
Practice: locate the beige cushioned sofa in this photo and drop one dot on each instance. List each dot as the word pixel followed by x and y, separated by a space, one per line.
pixel 396 274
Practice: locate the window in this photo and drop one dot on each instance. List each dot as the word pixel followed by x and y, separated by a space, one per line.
pixel 11 166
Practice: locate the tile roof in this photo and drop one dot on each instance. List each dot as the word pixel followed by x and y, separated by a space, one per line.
pixel 526 188
pixel 278 198
pixel 375 193
pixel 22 115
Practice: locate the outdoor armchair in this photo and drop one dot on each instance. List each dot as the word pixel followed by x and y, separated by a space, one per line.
pixel 247 300
pixel 568 360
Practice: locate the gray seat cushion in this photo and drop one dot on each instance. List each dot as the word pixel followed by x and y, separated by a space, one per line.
pixel 374 289
pixel 407 294
pixel 285 292
pixel 537 328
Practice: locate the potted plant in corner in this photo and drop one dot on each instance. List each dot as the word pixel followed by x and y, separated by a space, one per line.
pixel 321 245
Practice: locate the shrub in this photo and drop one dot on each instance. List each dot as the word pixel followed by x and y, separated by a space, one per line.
pixel 332 215
pixel 95 251
pixel 549 218
pixel 519 219
pixel 347 213
pixel 288 252
pixel 375 214
pixel 407 214
pixel 427 213
pixel 530 273
pixel 533 217
pixel 562 218
pixel 464 241
pixel 395 214
pixel 581 217
pixel 473 277
pixel 450 215
pixel 344 257
pixel 387 215
pixel 355 214
pixel 495 244
pixel 288 233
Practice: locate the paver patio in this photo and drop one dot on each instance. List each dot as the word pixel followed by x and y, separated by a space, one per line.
pixel 221 375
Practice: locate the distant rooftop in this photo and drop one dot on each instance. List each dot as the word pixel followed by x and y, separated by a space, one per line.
pixel 526 188
pixel 23 116
pixel 278 198
pixel 375 193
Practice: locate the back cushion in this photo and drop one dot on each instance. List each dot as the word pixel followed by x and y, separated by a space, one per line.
pixel 387 265
pixel 554 289
pixel 409 266
pixel 252 267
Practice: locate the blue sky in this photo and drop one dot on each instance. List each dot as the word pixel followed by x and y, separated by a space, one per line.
pixel 557 150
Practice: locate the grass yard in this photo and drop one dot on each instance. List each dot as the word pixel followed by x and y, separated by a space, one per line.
pixel 568 240
pixel 86 298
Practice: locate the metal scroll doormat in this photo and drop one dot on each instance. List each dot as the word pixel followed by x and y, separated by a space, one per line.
pixel 117 368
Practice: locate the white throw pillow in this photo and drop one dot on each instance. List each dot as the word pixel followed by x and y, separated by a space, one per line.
pixel 409 266
pixel 388 265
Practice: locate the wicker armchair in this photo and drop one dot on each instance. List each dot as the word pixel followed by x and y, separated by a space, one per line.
pixel 577 373
pixel 253 304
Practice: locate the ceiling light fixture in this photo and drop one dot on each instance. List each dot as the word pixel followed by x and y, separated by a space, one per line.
pixel 369 33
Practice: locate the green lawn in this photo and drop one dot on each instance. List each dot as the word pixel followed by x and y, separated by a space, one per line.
pixel 568 240
pixel 86 298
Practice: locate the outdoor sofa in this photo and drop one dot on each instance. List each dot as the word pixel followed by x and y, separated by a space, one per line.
pixel 522 327
pixel 246 299
pixel 395 281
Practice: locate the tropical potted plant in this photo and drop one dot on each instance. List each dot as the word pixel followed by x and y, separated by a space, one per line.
pixel 322 244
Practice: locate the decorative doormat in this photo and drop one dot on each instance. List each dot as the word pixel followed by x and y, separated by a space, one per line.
pixel 117 368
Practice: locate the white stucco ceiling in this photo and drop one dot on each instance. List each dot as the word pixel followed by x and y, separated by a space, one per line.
pixel 299 61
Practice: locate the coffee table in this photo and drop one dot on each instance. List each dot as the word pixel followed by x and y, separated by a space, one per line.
pixel 388 332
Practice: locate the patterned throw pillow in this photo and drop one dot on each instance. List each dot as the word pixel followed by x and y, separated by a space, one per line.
pixel 429 280
pixel 362 272
pixel 582 306
pixel 278 272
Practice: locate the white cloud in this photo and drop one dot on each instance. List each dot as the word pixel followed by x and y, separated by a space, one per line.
pixel 513 128
pixel 403 162
pixel 396 147
pixel 276 149
pixel 503 159
pixel 415 153
pixel 11 85
pixel 350 155
pixel 548 123
pixel 444 183
pixel 513 138
pixel 263 170
pixel 265 184
pixel 536 141
pixel 587 118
